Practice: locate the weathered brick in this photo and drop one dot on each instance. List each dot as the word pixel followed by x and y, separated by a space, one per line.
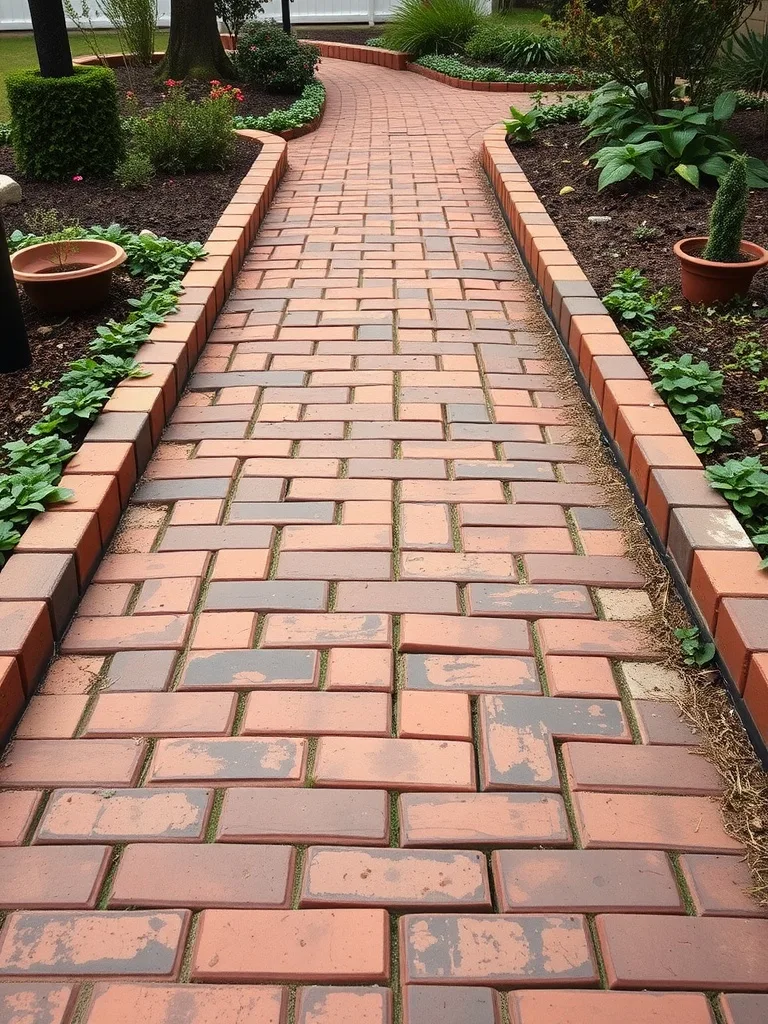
pixel 127 815
pixel 483 819
pixel 648 822
pixel 162 714
pixel 529 601
pixel 234 760
pixel 52 763
pixel 202 875
pixel 35 878
pixel 342 816
pixel 585 881
pixel 36 1002
pixel 720 886
pixel 394 763
pixel 471 673
pixel 169 1004
pixel 501 949
pixel 352 630
pixel 469 636
pixel 640 769
pixel 450 1004
pixel 396 879
pixel 304 945
pixel 93 944
pixel 317 714
pixel 17 812
pixel 251 669
pixel 608 1007
pixel 642 950
pixel 445 716
pixel 517 749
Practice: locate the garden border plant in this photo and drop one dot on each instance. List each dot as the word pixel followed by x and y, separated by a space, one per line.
pixel 699 537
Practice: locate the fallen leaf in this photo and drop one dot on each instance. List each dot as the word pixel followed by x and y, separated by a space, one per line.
pixel 566 189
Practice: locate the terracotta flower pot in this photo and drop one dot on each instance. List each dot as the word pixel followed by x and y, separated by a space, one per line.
pixel 706 281
pixel 84 283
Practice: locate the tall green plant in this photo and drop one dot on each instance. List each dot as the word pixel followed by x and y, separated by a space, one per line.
pixel 743 63
pixel 658 42
pixel 437 26
pixel 134 21
pixel 729 210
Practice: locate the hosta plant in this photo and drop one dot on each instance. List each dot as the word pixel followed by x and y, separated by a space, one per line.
pixel 709 428
pixel 683 383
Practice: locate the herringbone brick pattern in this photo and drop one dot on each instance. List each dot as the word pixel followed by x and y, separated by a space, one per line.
pixel 357 717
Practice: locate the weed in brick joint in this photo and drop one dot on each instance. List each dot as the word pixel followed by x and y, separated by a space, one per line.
pixel 703 702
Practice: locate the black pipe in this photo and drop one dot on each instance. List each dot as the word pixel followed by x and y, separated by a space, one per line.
pixel 286 16
pixel 14 344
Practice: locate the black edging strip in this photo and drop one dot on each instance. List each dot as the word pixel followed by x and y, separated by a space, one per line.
pixel 681 585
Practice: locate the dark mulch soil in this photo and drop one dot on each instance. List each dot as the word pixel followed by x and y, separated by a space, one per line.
pixel 149 93
pixel 54 341
pixel 185 207
pixel 327 33
pixel 674 210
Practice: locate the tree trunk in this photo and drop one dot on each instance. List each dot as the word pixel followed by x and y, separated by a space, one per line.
pixel 51 39
pixel 195 49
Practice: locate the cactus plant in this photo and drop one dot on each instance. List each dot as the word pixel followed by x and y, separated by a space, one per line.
pixel 726 221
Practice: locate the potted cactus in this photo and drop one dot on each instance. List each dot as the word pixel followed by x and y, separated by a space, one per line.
pixel 721 266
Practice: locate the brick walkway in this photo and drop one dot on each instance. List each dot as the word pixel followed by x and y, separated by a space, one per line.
pixel 357 699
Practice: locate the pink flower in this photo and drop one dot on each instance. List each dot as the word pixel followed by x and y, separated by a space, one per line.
pixel 130 95
pixel 77 177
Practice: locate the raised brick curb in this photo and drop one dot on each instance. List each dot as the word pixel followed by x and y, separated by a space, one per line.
pixel 715 565
pixel 393 59
pixel 396 60
pixel 464 83
pixel 42 582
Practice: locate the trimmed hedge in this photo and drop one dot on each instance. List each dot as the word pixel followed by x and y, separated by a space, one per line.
pixel 65 126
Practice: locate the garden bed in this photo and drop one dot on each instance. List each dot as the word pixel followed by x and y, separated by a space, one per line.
pixel 665 211
pixel 184 206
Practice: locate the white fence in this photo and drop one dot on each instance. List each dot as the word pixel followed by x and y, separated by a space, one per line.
pixel 14 14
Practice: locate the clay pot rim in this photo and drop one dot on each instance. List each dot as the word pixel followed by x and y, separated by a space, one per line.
pixel 117 256
pixel 749 248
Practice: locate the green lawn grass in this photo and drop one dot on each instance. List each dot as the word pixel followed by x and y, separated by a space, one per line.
pixel 17 51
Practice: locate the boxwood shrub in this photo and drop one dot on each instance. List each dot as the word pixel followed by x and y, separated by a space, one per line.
pixel 65 126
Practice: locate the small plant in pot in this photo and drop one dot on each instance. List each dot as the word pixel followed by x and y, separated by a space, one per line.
pixel 65 273
pixel 721 266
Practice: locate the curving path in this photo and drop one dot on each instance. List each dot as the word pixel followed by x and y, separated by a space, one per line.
pixel 354 725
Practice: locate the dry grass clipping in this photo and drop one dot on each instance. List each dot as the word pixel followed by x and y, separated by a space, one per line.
pixel 703 702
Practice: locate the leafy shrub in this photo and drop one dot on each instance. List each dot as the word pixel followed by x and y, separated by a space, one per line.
pixel 649 340
pixel 709 428
pixel 682 383
pixel 522 125
pixel 27 491
pixel 729 211
pixel 183 135
pixel 440 26
pixel 61 127
pixel 236 13
pixel 688 141
pixel 455 67
pixel 133 20
pixel 273 60
pixel 496 40
pixel 743 62
pixel 629 301
pixel 9 538
pixel 744 483
pixel 136 170
pixel 305 109
pixel 48 451
pixel 656 42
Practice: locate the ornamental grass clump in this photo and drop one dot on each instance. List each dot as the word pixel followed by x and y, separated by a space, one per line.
pixel 729 210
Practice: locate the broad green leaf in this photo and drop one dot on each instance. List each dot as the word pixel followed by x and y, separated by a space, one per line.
pixel 725 105
pixel 689 173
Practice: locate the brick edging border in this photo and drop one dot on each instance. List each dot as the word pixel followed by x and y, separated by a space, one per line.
pixel 465 83
pixel 715 566
pixel 43 580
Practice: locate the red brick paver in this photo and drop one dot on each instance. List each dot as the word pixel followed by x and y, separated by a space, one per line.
pixel 348 706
